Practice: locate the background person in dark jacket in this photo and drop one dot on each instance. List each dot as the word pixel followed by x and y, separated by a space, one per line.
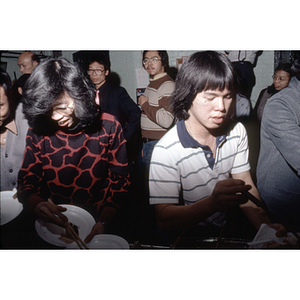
pixel 115 100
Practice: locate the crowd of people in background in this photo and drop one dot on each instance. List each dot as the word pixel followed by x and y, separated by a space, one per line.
pixel 177 160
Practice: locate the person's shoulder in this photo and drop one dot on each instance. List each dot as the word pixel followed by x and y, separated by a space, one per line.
pixel 162 78
pixel 108 117
pixel 170 138
pixel 234 127
pixel 166 84
pixel 263 91
pixel 167 80
pixel 109 123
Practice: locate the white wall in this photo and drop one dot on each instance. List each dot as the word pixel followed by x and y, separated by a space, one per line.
pixel 263 73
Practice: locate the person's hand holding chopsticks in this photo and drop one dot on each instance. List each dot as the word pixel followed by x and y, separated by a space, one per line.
pixel 49 212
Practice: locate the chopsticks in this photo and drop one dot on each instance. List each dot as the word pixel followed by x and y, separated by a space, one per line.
pixel 177 240
pixel 256 201
pixel 220 237
pixel 263 206
pixel 81 244
pixel 76 237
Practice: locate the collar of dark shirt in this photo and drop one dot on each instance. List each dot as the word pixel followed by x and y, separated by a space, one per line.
pixel 188 141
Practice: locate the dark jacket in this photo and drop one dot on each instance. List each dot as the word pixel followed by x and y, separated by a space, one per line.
pixel 116 101
pixel 263 97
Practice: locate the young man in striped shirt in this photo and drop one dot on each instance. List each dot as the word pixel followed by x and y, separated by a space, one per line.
pixel 200 168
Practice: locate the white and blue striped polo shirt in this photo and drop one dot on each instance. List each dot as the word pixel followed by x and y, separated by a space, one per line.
pixel 180 163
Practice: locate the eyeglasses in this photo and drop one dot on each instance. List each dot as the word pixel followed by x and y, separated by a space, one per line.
pixel 64 110
pixel 279 78
pixel 154 59
pixel 96 71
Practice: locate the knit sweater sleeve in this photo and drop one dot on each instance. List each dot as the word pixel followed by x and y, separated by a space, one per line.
pixel 30 178
pixel 161 114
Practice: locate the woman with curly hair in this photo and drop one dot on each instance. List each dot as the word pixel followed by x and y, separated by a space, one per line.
pixel 75 154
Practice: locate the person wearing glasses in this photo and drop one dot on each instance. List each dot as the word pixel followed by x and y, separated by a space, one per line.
pixel 281 79
pixel 115 100
pixel 156 117
pixel 75 153
pixel 200 168
pixel 278 168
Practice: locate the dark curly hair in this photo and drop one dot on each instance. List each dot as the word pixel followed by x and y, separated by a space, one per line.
pixel 48 82
pixel 206 70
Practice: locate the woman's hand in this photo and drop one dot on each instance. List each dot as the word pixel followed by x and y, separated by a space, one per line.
pixel 52 213
pixel 98 228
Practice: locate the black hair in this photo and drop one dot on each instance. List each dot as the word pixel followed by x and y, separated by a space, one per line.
pixel 17 97
pixel 48 82
pixel 34 57
pixel 100 60
pixel 163 56
pixel 22 80
pixel 284 67
pixel 281 67
pixel 5 82
pixel 206 70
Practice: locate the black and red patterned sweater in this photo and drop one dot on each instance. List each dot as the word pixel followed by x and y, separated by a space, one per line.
pixel 86 169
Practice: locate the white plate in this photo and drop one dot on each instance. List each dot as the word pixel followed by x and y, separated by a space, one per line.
pixel 265 234
pixel 10 208
pixel 104 241
pixel 76 215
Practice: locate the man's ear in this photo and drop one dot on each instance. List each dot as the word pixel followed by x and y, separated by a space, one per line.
pixel 20 91
pixel 35 63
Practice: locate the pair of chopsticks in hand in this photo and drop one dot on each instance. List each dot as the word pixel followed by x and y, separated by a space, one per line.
pixel 81 244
